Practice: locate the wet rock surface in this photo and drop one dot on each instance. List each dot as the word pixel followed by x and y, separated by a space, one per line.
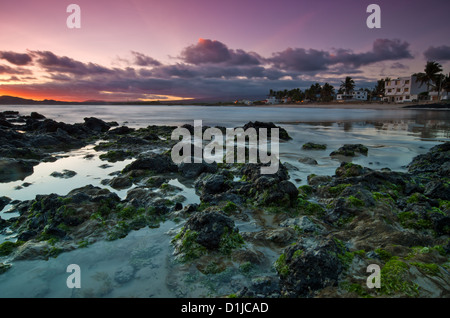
pixel 28 140
pixel 158 163
pixel 16 169
pixel 310 265
pixel 349 150
pixel 66 174
pixel 257 125
pixel 210 228
pixel 314 146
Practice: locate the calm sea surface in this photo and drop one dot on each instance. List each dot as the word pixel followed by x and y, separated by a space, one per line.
pixel 137 116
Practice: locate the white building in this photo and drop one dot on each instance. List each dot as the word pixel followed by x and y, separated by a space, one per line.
pixel 360 95
pixel 403 89
pixel 272 100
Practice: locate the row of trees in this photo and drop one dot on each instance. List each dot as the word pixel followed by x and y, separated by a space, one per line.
pixel 316 93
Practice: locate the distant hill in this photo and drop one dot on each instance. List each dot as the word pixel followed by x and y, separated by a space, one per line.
pixel 12 100
pixel 8 100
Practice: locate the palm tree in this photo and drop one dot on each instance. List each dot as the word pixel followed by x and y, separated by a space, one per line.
pixel 430 75
pixel 439 83
pixel 296 95
pixel 348 85
pixel 326 93
pixel 379 88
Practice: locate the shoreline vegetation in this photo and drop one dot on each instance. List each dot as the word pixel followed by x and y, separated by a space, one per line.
pixel 324 235
pixel 376 105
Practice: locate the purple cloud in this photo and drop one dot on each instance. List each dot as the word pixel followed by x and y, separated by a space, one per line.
pixel 440 53
pixel 206 51
pixel 16 58
pixel 399 66
pixel 4 69
pixel 302 60
pixel 144 60
pixel 215 52
pixel 382 50
pixel 64 64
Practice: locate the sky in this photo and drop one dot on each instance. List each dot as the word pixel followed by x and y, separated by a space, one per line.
pixel 208 49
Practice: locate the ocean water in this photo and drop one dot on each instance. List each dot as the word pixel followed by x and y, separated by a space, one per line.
pixel 138 116
pixel 393 138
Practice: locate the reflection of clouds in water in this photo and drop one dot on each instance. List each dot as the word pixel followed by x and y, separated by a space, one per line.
pixel 393 148
pixel 42 181
pixel 134 266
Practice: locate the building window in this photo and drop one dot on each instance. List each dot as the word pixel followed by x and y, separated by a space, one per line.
pixel 406 89
pixel 407 82
pixel 399 90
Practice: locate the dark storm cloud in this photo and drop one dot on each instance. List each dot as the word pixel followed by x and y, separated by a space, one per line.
pixel 206 51
pixel 211 51
pixel 16 58
pixel 167 71
pixel 64 64
pixel 188 71
pixel 144 60
pixel 440 53
pixel 382 50
pixel 302 60
pixel 59 77
pixel 240 57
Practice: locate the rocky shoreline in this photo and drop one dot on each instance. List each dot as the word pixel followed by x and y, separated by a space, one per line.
pixel 324 234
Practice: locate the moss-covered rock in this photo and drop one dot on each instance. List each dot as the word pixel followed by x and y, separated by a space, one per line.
pixel 394 278
pixel 348 169
pixel 435 161
pixel 349 150
pixel 283 134
pixel 308 266
pixel 206 232
pixel 313 146
pixel 8 247
pixel 116 155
